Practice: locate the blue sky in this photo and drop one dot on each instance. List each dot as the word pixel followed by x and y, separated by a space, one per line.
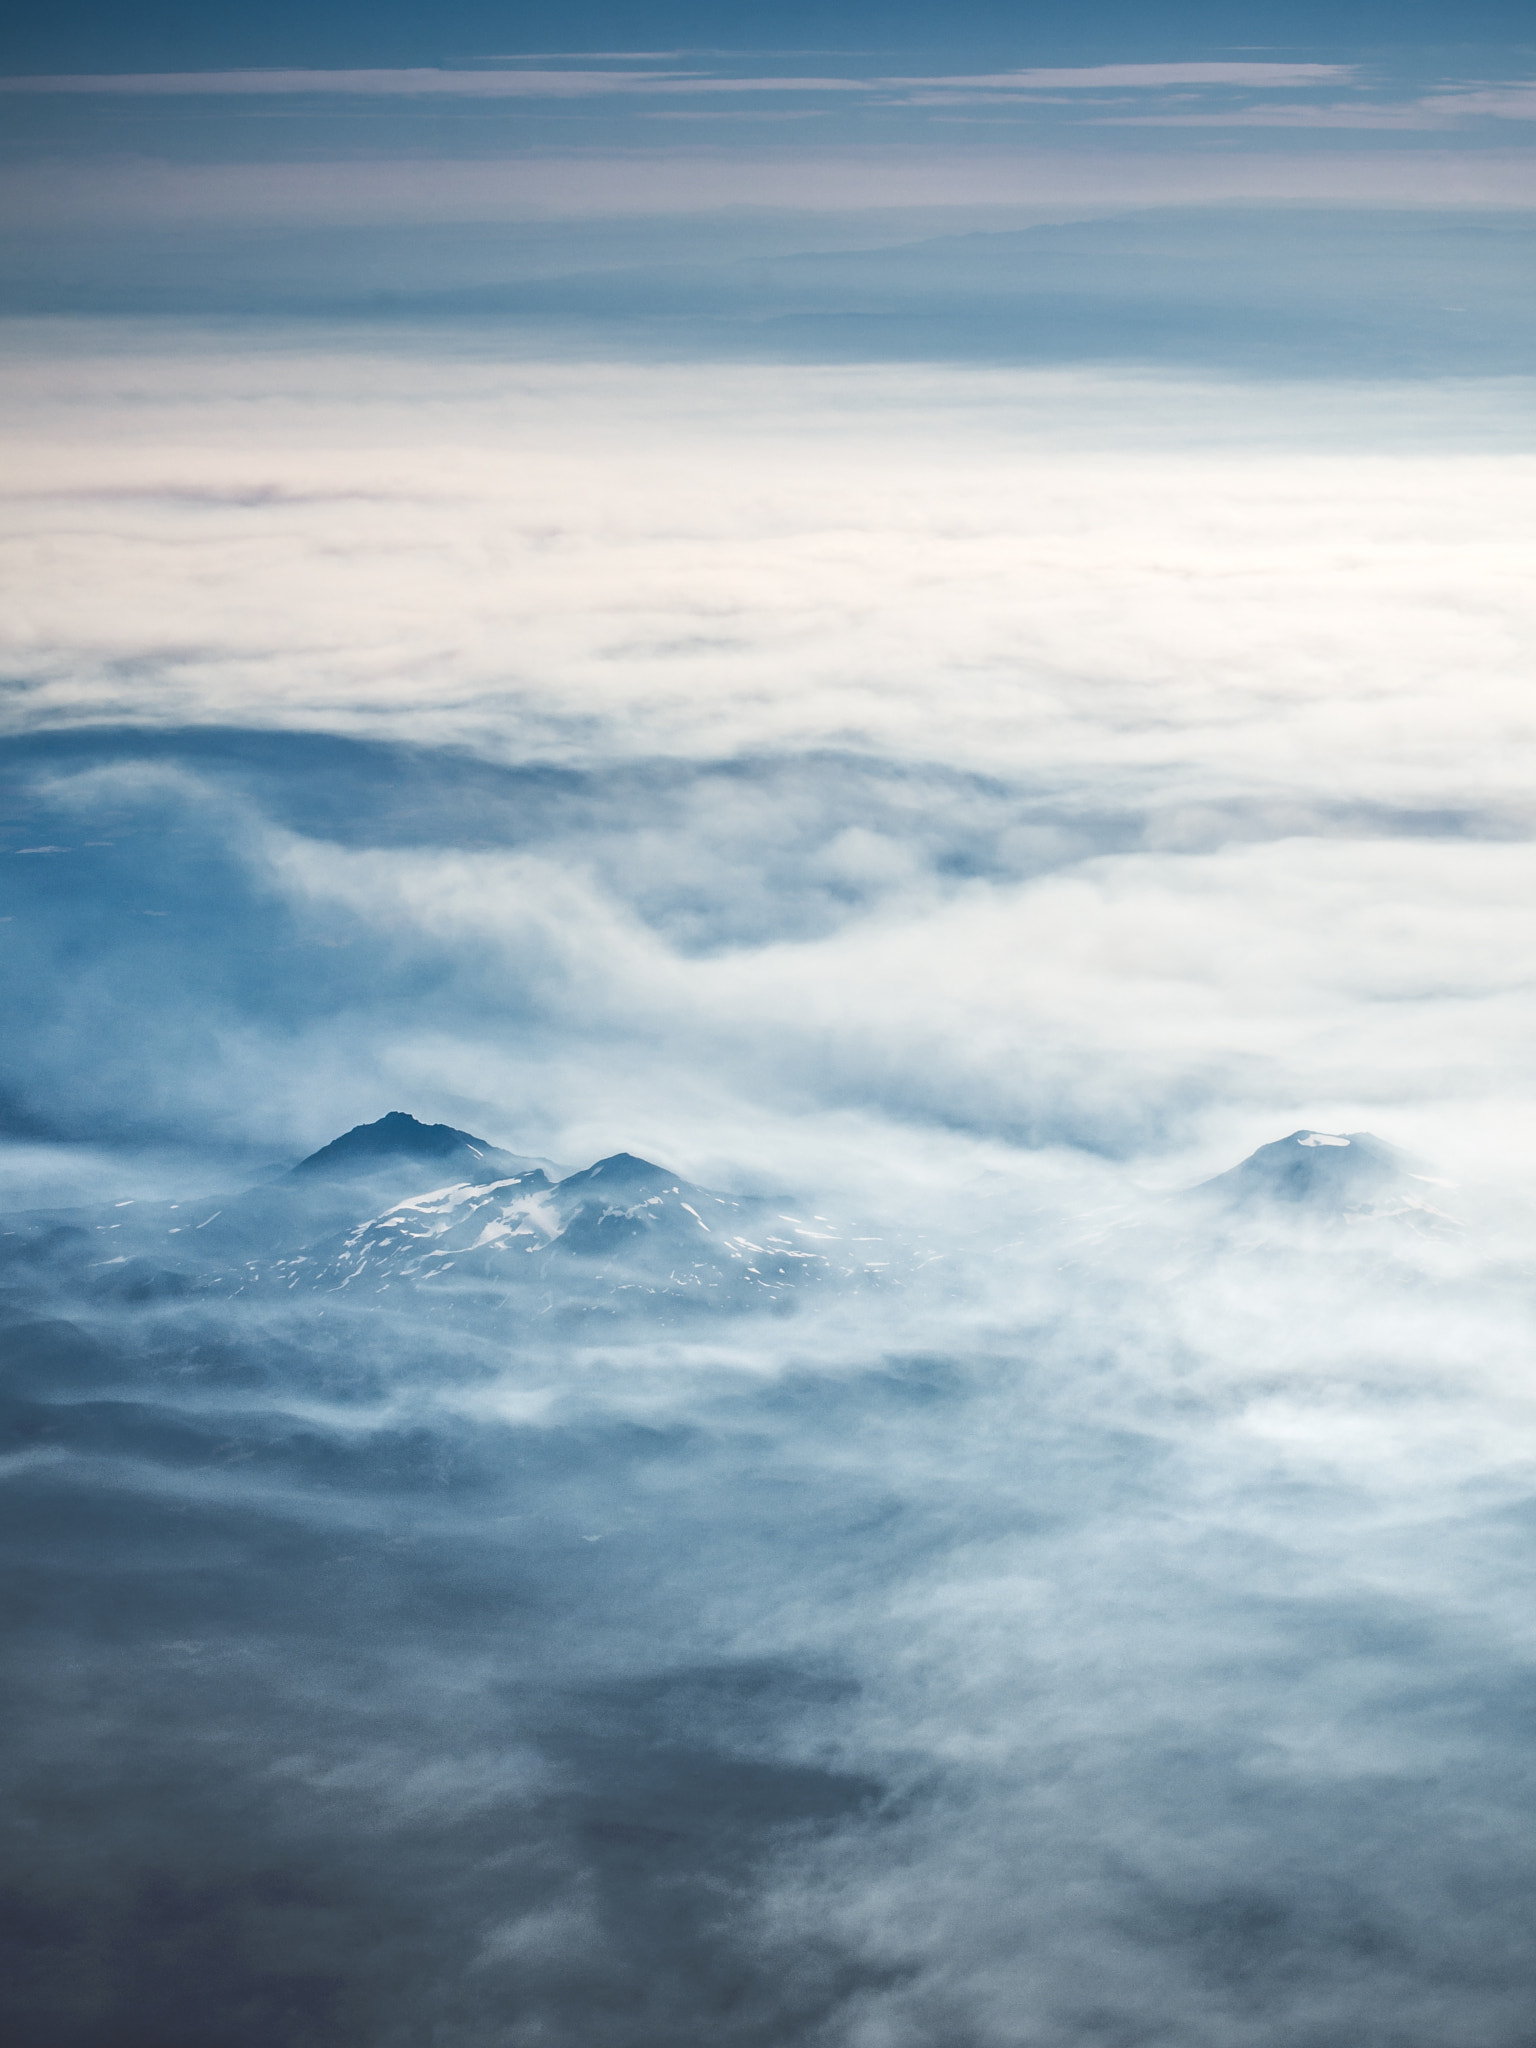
pixel 79 37
pixel 1333 192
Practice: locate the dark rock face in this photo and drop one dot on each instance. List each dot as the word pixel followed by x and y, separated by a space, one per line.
pixel 368 1149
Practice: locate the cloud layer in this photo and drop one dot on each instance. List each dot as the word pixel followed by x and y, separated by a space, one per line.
pixel 984 801
pixel 1192 771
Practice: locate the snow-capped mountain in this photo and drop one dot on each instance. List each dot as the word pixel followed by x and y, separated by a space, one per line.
pixel 373 1218
pixel 1332 1177
pixel 624 1226
pixel 374 1215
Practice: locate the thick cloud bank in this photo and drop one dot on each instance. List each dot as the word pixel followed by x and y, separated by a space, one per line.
pixel 946 815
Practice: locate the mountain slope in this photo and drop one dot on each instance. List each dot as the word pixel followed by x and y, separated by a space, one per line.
pixel 1327 1177
pixel 624 1226
pixel 418 1211
pixel 397 1141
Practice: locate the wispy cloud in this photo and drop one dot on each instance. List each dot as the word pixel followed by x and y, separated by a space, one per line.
pixel 544 184
pixel 1147 77
pixel 486 84
pixel 1515 101
pixel 369 83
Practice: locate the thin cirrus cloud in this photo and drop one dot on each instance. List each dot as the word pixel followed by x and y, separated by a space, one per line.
pixel 1095 77
pixel 1514 101
pixel 566 185
pixel 581 84
pixel 405 83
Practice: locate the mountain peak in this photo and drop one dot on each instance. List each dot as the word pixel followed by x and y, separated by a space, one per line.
pixel 622 1168
pixel 398 1139
pixel 1330 1171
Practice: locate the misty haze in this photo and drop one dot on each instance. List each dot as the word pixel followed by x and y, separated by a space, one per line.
pixel 767 990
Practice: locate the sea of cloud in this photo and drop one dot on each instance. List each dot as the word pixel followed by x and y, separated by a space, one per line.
pixel 981 801
pixel 1114 760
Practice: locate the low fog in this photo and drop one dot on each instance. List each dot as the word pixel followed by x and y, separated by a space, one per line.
pixel 1104 1623
pixel 1087 1613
